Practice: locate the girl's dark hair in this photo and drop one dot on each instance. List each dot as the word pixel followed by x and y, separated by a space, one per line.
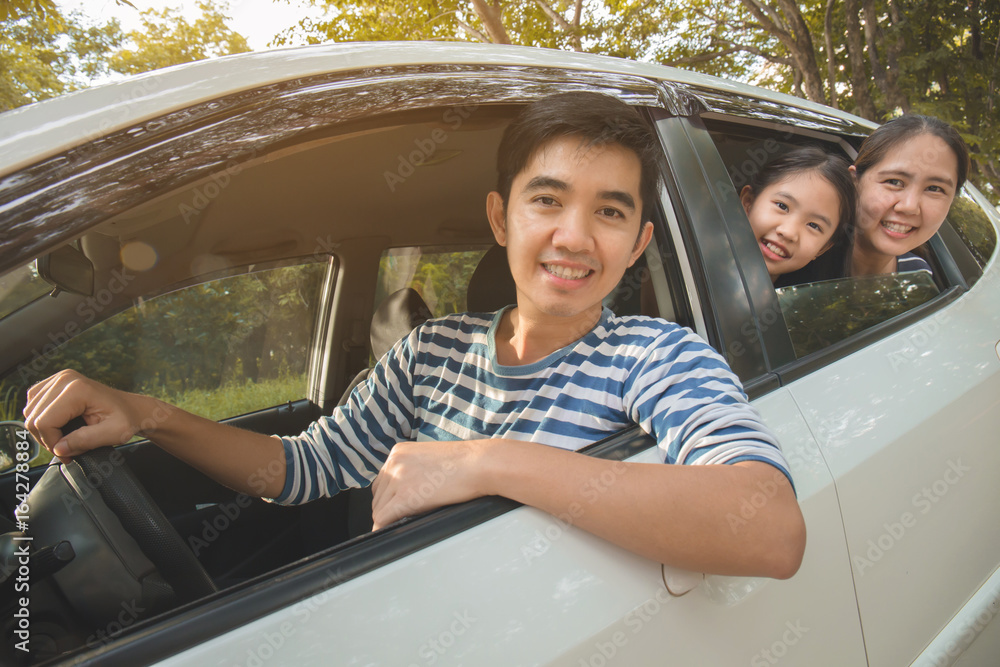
pixel 833 169
pixel 597 119
pixel 878 144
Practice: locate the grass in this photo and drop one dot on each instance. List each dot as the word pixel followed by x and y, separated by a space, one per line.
pixel 238 399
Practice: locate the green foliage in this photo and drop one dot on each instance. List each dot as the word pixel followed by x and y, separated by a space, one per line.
pixel 239 398
pixel 44 55
pixel 821 314
pixel 166 39
pixel 227 333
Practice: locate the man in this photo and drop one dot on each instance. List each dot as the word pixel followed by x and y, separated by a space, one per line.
pixel 493 404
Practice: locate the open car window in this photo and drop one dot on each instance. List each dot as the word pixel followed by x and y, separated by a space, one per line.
pixel 818 304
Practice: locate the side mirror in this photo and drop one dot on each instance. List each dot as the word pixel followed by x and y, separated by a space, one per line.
pixel 67 270
pixel 16 445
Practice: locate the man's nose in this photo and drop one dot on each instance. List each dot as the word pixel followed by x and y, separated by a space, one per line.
pixel 574 231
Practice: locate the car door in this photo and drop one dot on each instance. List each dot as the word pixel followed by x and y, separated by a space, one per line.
pixel 492 583
pixel 903 409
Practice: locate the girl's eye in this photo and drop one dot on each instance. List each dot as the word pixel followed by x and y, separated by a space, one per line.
pixel 814 225
pixel 782 205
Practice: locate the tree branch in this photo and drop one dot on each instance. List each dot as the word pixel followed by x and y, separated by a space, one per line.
pixel 554 15
pixel 472 32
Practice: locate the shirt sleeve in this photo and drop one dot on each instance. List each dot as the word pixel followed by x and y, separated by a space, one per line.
pixel 347 449
pixel 684 394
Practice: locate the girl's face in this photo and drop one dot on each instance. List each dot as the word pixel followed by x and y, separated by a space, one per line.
pixel 904 198
pixel 793 219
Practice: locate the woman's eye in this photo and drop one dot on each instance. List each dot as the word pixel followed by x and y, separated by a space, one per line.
pixel 895 182
pixel 936 188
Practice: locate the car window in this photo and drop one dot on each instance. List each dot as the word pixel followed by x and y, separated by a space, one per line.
pixel 973 227
pixel 819 306
pixel 823 313
pixel 440 274
pixel 219 349
pixel 20 287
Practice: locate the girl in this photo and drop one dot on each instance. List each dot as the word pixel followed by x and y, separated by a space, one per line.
pixel 799 205
pixel 908 172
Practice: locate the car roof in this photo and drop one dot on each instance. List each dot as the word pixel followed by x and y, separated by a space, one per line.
pixel 35 132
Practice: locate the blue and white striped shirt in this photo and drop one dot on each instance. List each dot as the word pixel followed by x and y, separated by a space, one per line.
pixel 443 382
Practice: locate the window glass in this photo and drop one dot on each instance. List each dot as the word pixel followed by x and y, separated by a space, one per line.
pixel 218 349
pixel 973 227
pixel 20 287
pixel 440 274
pixel 821 314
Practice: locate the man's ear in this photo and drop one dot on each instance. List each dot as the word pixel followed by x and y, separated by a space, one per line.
pixel 746 198
pixel 641 242
pixel 497 214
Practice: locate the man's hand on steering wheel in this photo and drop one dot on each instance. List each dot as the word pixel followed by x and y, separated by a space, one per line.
pixel 112 417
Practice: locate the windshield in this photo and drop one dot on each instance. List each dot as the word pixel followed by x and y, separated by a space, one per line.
pixel 19 288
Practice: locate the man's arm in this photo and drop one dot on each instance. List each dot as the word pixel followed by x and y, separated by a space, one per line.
pixel 248 462
pixel 682 515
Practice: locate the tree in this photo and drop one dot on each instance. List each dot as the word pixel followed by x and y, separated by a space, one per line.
pixel 874 58
pixel 44 53
pixel 166 38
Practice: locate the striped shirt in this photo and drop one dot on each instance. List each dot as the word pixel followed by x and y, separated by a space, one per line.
pixel 911 261
pixel 443 382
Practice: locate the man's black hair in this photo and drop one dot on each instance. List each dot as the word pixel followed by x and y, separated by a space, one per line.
pixel 597 119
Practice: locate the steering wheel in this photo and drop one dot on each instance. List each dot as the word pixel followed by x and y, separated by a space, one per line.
pixel 124 495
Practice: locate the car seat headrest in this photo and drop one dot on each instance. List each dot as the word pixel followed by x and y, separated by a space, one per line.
pixel 491 286
pixel 400 313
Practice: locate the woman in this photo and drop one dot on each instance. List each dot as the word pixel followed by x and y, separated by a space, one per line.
pixel 908 172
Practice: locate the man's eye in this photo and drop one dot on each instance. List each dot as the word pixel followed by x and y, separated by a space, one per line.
pixel 611 212
pixel 545 200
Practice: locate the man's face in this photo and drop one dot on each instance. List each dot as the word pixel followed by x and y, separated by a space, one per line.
pixel 571 227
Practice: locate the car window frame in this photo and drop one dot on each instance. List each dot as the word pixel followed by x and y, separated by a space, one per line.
pixel 781 357
pixel 175 630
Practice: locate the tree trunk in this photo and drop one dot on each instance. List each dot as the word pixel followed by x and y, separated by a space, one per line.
pixel 490 15
pixel 831 60
pixel 791 30
pixel 856 57
pixel 873 35
pixel 894 46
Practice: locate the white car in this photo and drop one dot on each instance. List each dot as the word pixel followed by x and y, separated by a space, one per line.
pixel 222 234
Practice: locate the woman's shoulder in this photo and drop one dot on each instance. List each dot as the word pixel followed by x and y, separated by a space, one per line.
pixel 911 261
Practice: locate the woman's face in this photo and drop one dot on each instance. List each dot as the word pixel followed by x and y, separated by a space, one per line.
pixel 904 198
